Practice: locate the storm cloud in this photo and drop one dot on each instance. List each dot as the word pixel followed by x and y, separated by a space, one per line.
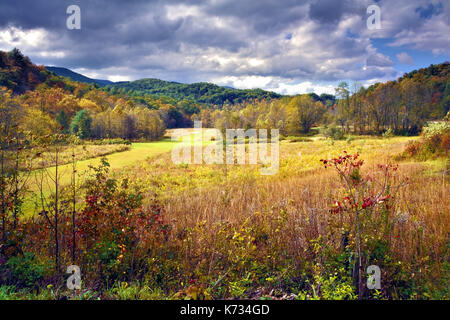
pixel 283 45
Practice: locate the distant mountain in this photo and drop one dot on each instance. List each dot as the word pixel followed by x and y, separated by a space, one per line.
pixel 74 76
pixel 202 92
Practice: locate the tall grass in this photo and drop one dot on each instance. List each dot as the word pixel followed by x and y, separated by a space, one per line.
pixel 232 233
pixel 286 214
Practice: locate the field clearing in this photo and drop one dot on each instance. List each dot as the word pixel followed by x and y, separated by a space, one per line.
pixel 161 176
pixel 230 221
pixel 136 153
pixel 150 164
pixel 291 208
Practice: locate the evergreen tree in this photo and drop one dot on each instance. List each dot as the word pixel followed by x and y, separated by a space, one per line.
pixel 81 125
pixel 63 121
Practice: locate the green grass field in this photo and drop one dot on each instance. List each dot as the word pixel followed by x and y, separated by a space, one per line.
pixel 139 152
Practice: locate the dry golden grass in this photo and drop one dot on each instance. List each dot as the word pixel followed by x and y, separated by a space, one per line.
pixel 301 195
pixel 234 233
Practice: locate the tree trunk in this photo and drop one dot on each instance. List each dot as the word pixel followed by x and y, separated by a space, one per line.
pixel 3 207
pixel 56 213
pixel 73 208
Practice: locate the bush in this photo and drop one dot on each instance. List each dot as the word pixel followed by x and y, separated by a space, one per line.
pixel 119 234
pixel 334 133
pixel 413 148
pixel 299 139
pixel 445 142
pixel 436 136
pixel 349 139
pixel 388 133
pixel 112 141
pixel 25 270
pixel 436 129
pixel 435 142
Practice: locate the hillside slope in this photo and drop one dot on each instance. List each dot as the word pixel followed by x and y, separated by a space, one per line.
pixel 201 92
pixel 19 74
pixel 74 76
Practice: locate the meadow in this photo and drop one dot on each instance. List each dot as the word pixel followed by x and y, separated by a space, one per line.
pixel 119 156
pixel 226 231
pixel 274 230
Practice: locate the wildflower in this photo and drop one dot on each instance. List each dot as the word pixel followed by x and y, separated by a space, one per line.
pixel 337 207
pixel 367 202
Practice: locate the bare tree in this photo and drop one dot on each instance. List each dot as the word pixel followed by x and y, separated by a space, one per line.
pixel 49 179
pixel 74 171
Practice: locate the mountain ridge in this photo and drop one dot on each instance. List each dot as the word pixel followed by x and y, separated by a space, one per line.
pixel 75 76
pixel 202 92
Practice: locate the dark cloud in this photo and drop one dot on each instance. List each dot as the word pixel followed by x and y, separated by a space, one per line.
pixel 263 16
pixel 201 40
pixel 327 11
pixel 379 60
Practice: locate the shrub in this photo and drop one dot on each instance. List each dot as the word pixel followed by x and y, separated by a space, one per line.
pixel 445 142
pixel 112 141
pixel 436 129
pixel 25 270
pixel 334 133
pixel 388 133
pixel 117 234
pixel 349 139
pixel 435 142
pixel 299 139
pixel 413 148
pixel 369 201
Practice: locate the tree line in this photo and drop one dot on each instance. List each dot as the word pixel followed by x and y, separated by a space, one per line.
pixel 47 104
pixel 403 107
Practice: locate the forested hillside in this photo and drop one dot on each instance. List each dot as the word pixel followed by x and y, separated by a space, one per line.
pixel 18 74
pixel 64 72
pixel 198 92
pixel 402 107
pixel 36 101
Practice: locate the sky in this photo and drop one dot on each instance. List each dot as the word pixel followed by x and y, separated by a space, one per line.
pixel 286 46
